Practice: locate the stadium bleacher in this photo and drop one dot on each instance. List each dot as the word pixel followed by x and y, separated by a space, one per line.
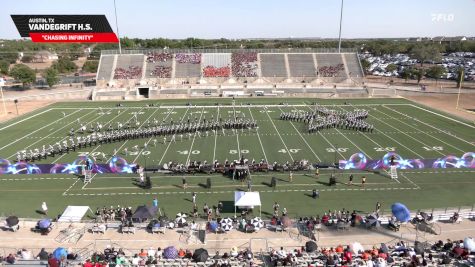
pixel 129 67
pixel 105 67
pixel 159 65
pixel 188 65
pixel 302 65
pixel 330 65
pixel 244 64
pixel 230 69
pixel 273 65
pixel 354 67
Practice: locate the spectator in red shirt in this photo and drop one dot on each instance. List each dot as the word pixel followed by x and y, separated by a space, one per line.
pixel 88 263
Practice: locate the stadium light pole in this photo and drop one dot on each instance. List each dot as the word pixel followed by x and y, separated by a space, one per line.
pixel 117 27
pixel 339 34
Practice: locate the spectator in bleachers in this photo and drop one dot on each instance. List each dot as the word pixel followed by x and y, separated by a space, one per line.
pixel 211 71
pixel 43 254
pixel 244 64
pixel 331 71
pixel 194 58
pixel 154 57
pixel 162 72
pixel 25 254
pixel 132 72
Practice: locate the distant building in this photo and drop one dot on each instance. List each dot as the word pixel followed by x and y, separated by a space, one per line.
pixel 44 56
pixel 440 39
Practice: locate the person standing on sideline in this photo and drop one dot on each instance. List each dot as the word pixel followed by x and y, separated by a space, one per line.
pixel 44 208
pixel 276 207
pixel 378 207
pixel 315 194
pixel 194 197
pixel 155 202
pixel 185 185
pixel 291 176
pixel 363 181
pixel 249 184
pixel 284 212
pixel 350 182
pixel 317 172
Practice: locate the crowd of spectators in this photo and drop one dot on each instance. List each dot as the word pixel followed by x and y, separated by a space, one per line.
pixel 244 64
pixel 154 57
pixel 106 214
pixel 211 71
pixel 132 72
pixel 400 254
pixel 331 71
pixel 152 256
pixel 162 72
pixel 27 255
pixel 194 58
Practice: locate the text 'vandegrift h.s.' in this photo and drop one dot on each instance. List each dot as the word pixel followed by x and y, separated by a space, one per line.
pixel 65 28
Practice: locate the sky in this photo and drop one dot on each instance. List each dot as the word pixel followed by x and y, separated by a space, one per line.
pixel 262 18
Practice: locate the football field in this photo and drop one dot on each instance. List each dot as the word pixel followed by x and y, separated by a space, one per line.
pixel 401 126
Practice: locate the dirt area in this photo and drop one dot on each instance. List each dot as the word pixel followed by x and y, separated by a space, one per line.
pixel 447 103
pixel 431 84
pixel 327 237
pixel 23 107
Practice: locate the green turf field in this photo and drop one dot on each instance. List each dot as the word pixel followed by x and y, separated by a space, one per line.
pixel 413 131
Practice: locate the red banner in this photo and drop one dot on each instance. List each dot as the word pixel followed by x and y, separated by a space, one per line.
pixel 102 37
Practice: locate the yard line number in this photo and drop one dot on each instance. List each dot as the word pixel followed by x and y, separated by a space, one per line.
pixel 385 149
pixel 243 151
pixel 434 148
pixel 291 150
pixel 340 149
pixel 186 152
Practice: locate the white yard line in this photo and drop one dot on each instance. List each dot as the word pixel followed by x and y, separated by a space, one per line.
pixel 16 140
pixel 363 134
pixel 393 139
pixel 410 136
pixel 140 126
pixel 150 139
pixel 25 119
pixel 438 114
pixel 427 124
pixel 360 150
pixel 52 133
pixel 410 181
pixel 215 138
pixel 252 106
pixel 194 136
pixel 123 144
pixel 278 133
pixel 311 149
pixel 182 118
pixel 334 148
pixel 237 134
pixel 110 121
pixel 259 137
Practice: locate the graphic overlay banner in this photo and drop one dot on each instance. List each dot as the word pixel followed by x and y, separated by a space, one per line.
pixel 359 161
pixel 65 28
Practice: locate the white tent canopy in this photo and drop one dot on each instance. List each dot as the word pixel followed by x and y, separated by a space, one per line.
pixel 247 200
pixel 73 213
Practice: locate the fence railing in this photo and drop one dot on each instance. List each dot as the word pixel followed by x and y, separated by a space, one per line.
pixel 220 50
